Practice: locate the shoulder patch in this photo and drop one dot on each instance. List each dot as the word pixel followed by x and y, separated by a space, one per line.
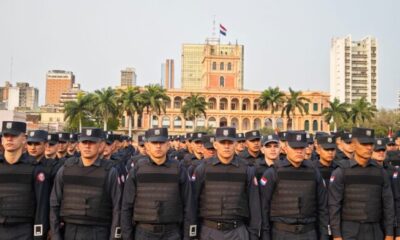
pixel 263 181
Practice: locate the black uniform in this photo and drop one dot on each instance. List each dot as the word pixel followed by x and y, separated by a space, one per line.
pixel 249 158
pixel 228 199
pixel 87 199
pixel 261 167
pixel 294 202
pixel 340 156
pixel 24 191
pixel 157 199
pixel 360 202
pixel 325 171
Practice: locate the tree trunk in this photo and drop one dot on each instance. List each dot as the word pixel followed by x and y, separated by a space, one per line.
pixel 130 126
pixel 105 124
pixel 335 126
pixel 80 125
pixel 195 124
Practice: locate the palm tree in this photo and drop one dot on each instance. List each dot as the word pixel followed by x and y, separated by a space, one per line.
pixel 128 101
pixel 75 111
pixel 154 98
pixel 337 112
pixel 272 97
pixel 362 110
pixel 194 107
pixel 105 105
pixel 294 102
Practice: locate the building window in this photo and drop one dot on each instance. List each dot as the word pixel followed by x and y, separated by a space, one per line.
pixel 315 125
pixel 214 66
pixel 221 81
pixel 229 66
pixel 315 107
pixel 221 66
pixel 307 107
pixel 306 125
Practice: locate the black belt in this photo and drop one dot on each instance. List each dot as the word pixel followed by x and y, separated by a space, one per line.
pixel 223 226
pixel 294 228
pixel 158 228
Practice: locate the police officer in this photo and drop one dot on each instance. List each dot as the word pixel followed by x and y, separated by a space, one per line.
pixel 52 146
pixel 240 143
pixel 270 149
pixel 86 194
pixel 72 143
pixel 208 149
pixel 197 146
pixel 390 144
pixel 226 191
pixel 24 188
pixel 157 195
pixel 183 148
pixel 1 145
pixel 360 196
pixel 253 147
pixel 344 149
pixel 293 196
pixel 326 149
pixel 282 143
pixel 141 153
pixel 63 139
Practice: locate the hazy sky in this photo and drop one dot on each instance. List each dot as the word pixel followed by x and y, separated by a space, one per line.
pixel 286 42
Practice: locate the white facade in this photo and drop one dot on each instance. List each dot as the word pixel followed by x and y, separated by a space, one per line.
pixel 22 96
pixel 353 69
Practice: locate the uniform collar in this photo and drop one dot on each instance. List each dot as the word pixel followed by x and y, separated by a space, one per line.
pixel 96 163
pixel 167 162
pixel 24 158
pixel 234 162
pixel 370 162
pixel 285 163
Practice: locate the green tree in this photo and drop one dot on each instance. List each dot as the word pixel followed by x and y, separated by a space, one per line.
pixel 361 110
pixel 105 105
pixel 128 100
pixel 75 112
pixel 337 113
pixel 272 98
pixel 154 98
pixel 194 107
pixel 294 102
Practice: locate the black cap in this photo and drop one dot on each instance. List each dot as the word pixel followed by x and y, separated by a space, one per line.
pixel 390 141
pixel 327 141
pixel 182 138
pixel 109 138
pixel 52 138
pixel 363 135
pixel 270 138
pixel 37 136
pixel 337 134
pixel 63 137
pixel 141 140
pixel 252 135
pixel 346 137
pixel 296 139
pixel 157 135
pixel 117 137
pixel 379 144
pixel 208 141
pixel 13 128
pixel 282 136
pixel 73 137
pixel 225 133
pixel 189 136
pixel 310 138
pixel 197 136
pixel 320 134
pixel 91 134
pixel 240 137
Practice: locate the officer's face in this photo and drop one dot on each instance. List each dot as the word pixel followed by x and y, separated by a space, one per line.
pixel 182 144
pixel 391 147
pixel 326 154
pixel 50 149
pixel 142 149
pixel 271 150
pixel 101 147
pixel 36 149
pixel 13 143
pixel 189 145
pixel 71 146
pixel 89 149
pixel 240 145
pixel 208 152
pixel 225 149
pixel 176 144
pixel 197 147
pixel 296 155
pixel 253 145
pixel 347 147
pixel 379 155
pixel 62 147
pixel 157 150
pixel 362 150
pixel 108 149
pixel 283 148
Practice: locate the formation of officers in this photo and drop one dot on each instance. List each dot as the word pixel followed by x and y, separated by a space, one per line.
pixel 234 186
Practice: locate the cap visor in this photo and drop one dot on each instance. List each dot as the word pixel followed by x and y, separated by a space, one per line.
pixel 253 138
pixel 220 139
pixel 11 132
pixel 35 140
pixel 157 139
pixel 269 141
pixel 90 139
pixel 208 145
pixel 328 146
pixel 379 148
pixel 298 144
pixel 366 140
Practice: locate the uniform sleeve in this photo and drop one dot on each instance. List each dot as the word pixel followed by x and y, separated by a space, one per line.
pixel 396 197
pixel 335 198
pixel 114 190
pixel 55 202
pixel 388 206
pixel 187 198
pixel 128 201
pixel 42 192
pixel 254 204
pixel 322 198
pixel 267 186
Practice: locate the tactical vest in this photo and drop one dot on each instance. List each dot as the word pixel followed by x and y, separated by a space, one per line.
pixel 158 198
pixel 295 193
pixel 362 194
pixel 84 197
pixel 224 193
pixel 17 196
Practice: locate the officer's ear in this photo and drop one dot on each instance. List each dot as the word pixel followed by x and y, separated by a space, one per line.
pixel 318 149
pixel 215 144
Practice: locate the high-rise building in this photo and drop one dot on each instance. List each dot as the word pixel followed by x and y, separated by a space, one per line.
pixel 212 65
pixel 167 74
pixel 71 95
pixel 22 97
pixel 57 82
pixel 128 77
pixel 353 69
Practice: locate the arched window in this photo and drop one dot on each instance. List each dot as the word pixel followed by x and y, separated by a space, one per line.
pixel 229 66
pixel 306 125
pixel 221 81
pixel 214 66
pixel 315 125
pixel 221 66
